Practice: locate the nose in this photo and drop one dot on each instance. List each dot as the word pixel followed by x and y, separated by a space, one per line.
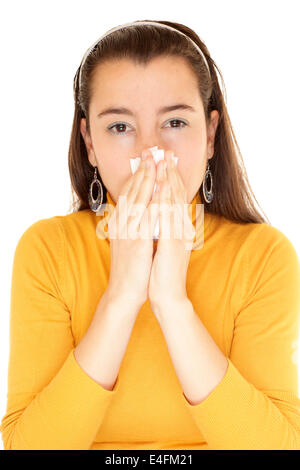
pixel 146 148
pixel 157 147
pixel 149 143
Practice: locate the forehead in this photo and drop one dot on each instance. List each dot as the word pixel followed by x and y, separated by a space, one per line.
pixel 167 77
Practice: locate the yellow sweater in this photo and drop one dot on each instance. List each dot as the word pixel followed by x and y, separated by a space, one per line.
pixel 244 285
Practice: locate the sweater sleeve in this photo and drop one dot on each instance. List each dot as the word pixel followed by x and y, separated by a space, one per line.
pixel 52 403
pixel 256 404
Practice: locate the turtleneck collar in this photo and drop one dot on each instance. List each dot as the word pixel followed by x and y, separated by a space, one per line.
pixel 197 217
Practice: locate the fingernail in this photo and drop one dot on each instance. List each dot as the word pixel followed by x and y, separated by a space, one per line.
pixel 144 155
pixel 148 163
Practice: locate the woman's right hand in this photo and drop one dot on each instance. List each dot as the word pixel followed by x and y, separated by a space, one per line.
pixel 131 259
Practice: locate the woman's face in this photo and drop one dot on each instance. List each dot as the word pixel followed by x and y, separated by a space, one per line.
pixel 142 92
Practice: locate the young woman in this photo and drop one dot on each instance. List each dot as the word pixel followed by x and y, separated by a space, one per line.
pixel 124 343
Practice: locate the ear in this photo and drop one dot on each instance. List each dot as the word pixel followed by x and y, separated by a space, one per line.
pixel 88 142
pixel 212 128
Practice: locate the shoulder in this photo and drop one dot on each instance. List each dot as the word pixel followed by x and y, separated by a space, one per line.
pixel 264 241
pixel 268 267
pixel 53 228
pixel 48 235
pixel 40 230
pixel 272 266
pixel 257 239
pixel 261 250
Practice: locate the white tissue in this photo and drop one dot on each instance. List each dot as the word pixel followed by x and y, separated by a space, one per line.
pixel 157 156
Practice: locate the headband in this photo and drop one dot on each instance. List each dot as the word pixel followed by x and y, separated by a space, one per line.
pixel 136 23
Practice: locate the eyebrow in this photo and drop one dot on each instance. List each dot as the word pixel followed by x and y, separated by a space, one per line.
pixel 162 110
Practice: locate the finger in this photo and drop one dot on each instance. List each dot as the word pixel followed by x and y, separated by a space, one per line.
pixel 179 206
pixel 160 170
pixel 177 186
pixel 175 222
pixel 146 188
pixel 133 185
pixel 126 200
pixel 133 179
pixel 150 217
pixel 137 182
pixel 130 181
pixel 145 192
pixel 160 177
pixel 182 209
pixel 165 207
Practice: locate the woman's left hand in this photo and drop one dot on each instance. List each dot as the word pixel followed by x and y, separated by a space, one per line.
pixel 167 283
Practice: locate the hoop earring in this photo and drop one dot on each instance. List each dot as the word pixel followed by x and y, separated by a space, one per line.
pixel 208 194
pixel 95 203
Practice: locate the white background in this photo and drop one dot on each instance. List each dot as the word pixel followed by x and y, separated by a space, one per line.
pixel 254 43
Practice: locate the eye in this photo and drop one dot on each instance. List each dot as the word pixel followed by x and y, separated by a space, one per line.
pixel 117 125
pixel 122 125
pixel 180 121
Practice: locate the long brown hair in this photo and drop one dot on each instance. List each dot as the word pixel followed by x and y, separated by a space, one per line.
pixel 233 196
